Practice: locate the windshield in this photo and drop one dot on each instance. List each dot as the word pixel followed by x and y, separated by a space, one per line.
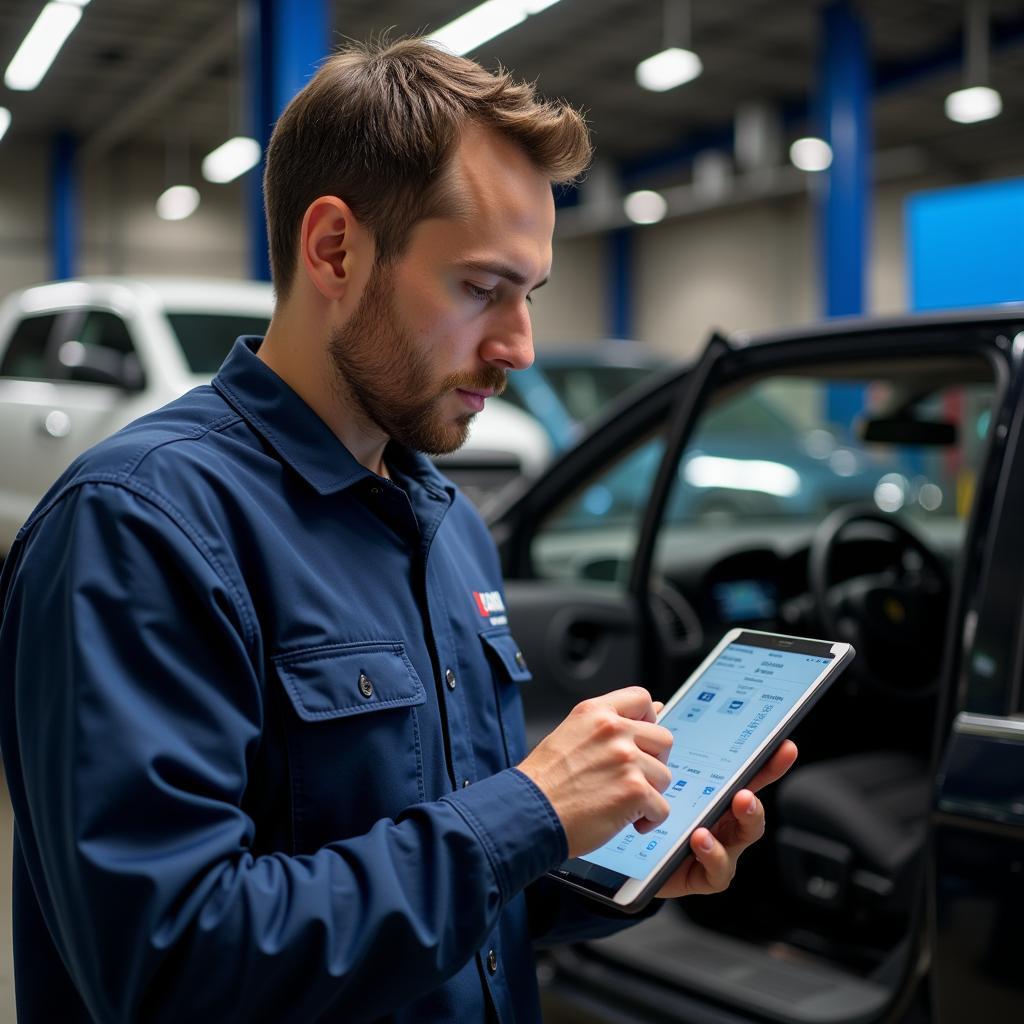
pixel 206 338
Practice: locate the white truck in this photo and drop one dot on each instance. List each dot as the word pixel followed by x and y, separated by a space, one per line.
pixel 80 359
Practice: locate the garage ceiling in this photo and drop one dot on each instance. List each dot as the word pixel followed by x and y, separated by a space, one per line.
pixel 143 72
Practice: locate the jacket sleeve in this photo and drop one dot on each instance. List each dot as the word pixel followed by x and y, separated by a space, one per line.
pixel 558 914
pixel 132 709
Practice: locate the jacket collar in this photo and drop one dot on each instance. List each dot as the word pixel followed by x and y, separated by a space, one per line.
pixel 297 433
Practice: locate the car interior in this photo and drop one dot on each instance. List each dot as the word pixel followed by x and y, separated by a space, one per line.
pixel 821 499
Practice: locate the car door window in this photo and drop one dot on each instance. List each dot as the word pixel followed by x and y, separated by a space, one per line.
pixel 775 457
pixel 107 345
pixel 593 533
pixel 26 353
pixel 790 449
pixel 105 330
pixel 206 338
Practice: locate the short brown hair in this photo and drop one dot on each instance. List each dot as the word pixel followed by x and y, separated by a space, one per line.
pixel 377 125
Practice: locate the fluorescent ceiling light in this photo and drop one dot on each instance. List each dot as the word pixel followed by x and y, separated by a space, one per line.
pixel 811 154
pixel 233 158
pixel 38 49
pixel 645 207
pixel 75 3
pixel 484 22
pixel 178 202
pixel 978 103
pixel 668 69
pixel 5 121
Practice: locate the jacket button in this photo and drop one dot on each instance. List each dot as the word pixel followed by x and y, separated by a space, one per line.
pixel 520 660
pixel 365 686
pixel 465 783
pixel 492 961
pixel 450 678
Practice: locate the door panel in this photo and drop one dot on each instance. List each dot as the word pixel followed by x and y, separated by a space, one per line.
pixel 579 640
pixel 979 856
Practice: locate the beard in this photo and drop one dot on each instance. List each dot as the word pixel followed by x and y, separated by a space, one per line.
pixel 377 366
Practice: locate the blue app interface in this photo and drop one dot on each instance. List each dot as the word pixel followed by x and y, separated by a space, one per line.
pixel 743 694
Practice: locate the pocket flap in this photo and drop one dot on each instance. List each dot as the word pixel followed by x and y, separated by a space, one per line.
pixel 503 644
pixel 349 679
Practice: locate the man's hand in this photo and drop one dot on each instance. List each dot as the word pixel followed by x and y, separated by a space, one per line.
pixel 603 768
pixel 716 850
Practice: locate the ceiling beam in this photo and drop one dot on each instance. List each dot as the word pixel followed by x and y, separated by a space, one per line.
pixel 195 62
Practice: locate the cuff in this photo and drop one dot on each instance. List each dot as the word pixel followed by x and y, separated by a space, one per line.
pixel 516 825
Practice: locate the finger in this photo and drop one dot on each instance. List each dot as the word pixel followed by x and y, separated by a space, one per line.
pixel 656 707
pixel 658 776
pixel 779 763
pixel 654 813
pixel 713 857
pixel 748 813
pixel 655 740
pixel 631 702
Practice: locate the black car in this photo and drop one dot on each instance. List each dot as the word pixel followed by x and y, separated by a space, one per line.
pixel 890 884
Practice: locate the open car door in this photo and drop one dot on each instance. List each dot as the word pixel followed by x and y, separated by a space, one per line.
pixel 977 836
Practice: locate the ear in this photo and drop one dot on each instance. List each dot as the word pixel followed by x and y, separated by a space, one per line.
pixel 332 244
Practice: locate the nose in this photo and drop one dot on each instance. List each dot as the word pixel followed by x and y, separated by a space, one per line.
pixel 509 339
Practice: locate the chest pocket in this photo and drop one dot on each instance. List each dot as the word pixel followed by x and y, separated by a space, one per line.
pixel 353 734
pixel 510 669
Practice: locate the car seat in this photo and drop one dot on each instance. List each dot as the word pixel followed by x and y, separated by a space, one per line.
pixel 852 830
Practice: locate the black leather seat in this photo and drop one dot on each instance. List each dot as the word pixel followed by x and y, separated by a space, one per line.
pixel 851 831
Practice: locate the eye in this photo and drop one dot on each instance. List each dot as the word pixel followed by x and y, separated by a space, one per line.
pixel 480 294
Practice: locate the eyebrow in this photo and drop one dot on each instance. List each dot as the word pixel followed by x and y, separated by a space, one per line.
pixel 502 270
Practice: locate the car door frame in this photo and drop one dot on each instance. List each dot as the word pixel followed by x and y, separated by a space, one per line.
pixel 976 830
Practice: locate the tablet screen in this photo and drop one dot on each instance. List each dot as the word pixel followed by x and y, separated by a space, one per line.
pixel 717 723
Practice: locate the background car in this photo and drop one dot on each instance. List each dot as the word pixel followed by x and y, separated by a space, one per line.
pixel 889 884
pixel 80 359
pixel 566 389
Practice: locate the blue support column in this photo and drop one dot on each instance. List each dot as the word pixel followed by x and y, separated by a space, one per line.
pixel 286 40
pixel 64 208
pixel 620 283
pixel 844 203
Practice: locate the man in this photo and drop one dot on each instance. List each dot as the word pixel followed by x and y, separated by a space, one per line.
pixel 266 756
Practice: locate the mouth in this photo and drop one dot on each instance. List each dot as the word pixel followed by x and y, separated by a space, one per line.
pixel 475 397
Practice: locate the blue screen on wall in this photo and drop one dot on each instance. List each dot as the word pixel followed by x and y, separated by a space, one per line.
pixel 964 245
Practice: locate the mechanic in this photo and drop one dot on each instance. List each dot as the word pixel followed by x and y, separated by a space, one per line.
pixel 260 711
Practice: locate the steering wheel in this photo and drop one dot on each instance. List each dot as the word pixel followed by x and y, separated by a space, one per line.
pixel 894 617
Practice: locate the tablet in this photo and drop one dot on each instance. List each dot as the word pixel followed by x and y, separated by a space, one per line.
pixel 728 719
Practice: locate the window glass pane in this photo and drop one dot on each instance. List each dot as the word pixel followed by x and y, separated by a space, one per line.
pixel 26 354
pixel 588 388
pixel 593 534
pixel 787 449
pixel 206 338
pixel 106 330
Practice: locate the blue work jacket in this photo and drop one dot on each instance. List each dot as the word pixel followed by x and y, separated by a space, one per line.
pixel 260 714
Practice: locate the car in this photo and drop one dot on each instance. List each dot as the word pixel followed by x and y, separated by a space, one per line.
pixel 79 359
pixel 567 388
pixel 889 885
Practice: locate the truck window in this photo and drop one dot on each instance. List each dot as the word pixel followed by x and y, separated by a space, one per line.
pixel 26 354
pixel 206 338
pixel 106 330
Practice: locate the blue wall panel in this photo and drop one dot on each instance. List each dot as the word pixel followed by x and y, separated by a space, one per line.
pixel 964 245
